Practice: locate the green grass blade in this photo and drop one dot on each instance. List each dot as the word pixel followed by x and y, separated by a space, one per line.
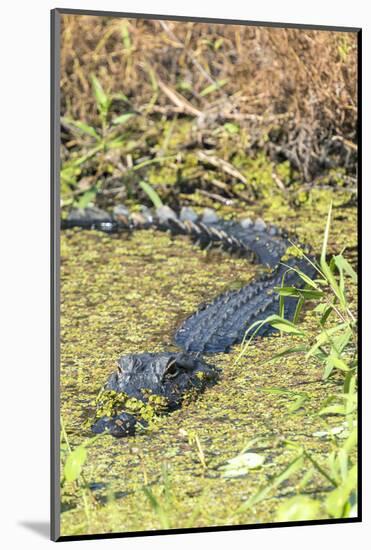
pixel 121 119
pixel 290 469
pixel 304 293
pixel 302 275
pixel 83 127
pixel 326 234
pixel 285 353
pixel 213 87
pixel 152 195
pixel 157 508
pixel 283 325
pixel 126 37
pixel 102 99
pixel 298 309
pixel 280 289
pixel 343 265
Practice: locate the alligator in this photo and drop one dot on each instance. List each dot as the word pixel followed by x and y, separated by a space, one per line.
pixel 149 384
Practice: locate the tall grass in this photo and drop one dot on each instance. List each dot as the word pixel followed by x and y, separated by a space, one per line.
pixel 334 347
pixel 96 143
pixel 277 83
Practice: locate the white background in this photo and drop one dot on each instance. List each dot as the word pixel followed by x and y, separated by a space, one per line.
pixel 24 230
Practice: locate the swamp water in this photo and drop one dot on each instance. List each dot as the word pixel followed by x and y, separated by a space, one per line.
pixel 127 294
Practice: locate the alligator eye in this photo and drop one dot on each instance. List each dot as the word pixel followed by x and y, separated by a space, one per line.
pixel 172 370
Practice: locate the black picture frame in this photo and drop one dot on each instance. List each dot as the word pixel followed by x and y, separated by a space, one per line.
pixel 55 266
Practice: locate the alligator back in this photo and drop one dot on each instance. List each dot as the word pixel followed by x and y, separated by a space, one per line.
pixel 216 326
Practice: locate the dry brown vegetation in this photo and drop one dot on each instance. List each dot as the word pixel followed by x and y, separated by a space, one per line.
pixel 293 92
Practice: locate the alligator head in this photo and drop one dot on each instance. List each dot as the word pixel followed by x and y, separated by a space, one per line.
pixel 146 385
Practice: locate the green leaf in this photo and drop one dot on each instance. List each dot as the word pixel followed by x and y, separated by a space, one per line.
pixel 257 326
pixel 328 369
pixel 308 294
pixel 155 160
pixel 184 85
pixel 152 195
pixel 324 338
pixel 334 360
pixel 321 308
pixel 306 478
pixel 115 143
pixel 337 503
pixel 152 76
pixel 285 353
pixel 83 127
pixel 326 314
pixel 69 174
pixel 338 363
pixel 242 464
pixel 157 507
pixel 343 265
pixel 288 471
pixel 74 463
pixel 301 397
pixel 213 87
pixel 298 508
pixel 326 269
pixel 326 235
pixel 121 119
pixel 302 275
pixel 333 283
pixel 231 128
pixel 343 460
pixel 218 43
pixel 283 325
pixel 352 440
pixel 151 497
pixel 87 197
pixel 119 97
pixel 332 409
pixel 126 36
pixel 297 404
pixel 298 309
pixel 102 99
pixel 281 311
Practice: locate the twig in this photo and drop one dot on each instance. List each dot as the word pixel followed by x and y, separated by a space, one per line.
pixel 222 165
pixel 278 182
pixel 216 197
pixel 178 100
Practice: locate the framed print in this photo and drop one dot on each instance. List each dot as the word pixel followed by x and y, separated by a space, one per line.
pixel 205 251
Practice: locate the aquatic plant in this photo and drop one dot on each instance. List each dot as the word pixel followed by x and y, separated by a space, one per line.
pixel 334 347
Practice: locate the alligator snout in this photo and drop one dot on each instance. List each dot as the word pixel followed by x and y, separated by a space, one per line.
pixel 150 380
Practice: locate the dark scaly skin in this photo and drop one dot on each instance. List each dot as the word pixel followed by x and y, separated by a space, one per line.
pixel 215 327
pixel 168 376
